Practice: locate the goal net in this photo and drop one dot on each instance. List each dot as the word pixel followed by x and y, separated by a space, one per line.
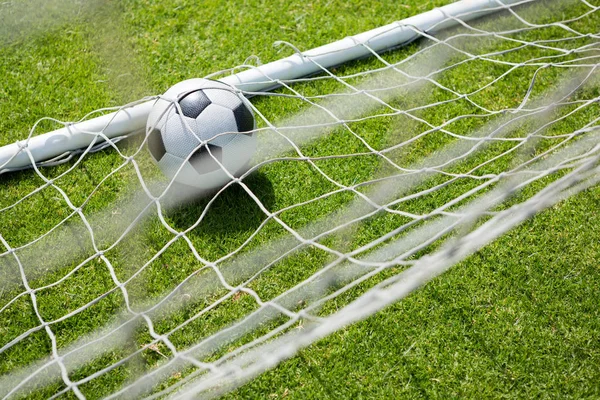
pixel 371 179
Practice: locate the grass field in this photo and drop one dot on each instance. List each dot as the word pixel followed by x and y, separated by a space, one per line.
pixel 518 319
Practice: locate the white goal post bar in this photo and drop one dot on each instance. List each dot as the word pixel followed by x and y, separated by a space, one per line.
pixel 127 120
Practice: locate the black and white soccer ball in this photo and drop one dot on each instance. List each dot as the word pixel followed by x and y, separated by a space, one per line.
pixel 197 122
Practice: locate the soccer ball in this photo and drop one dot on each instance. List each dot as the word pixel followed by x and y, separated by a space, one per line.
pixel 197 122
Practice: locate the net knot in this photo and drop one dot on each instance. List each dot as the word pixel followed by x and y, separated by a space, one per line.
pixel 237 289
pixel 279 43
pixel 400 24
pixel 162 338
pixel 356 41
pixel 303 314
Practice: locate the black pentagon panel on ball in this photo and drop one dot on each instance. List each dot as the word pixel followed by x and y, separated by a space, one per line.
pixel 203 162
pixel 243 118
pixel 156 144
pixel 192 104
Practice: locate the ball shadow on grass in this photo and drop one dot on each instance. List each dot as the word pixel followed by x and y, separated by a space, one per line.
pixel 232 211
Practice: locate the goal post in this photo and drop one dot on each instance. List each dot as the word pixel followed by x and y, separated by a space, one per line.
pixel 132 118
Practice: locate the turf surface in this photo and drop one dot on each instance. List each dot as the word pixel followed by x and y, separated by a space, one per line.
pixel 518 319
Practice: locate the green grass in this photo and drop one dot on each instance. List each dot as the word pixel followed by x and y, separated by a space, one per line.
pixel 517 319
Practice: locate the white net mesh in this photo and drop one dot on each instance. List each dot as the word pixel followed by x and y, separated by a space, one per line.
pixel 371 179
